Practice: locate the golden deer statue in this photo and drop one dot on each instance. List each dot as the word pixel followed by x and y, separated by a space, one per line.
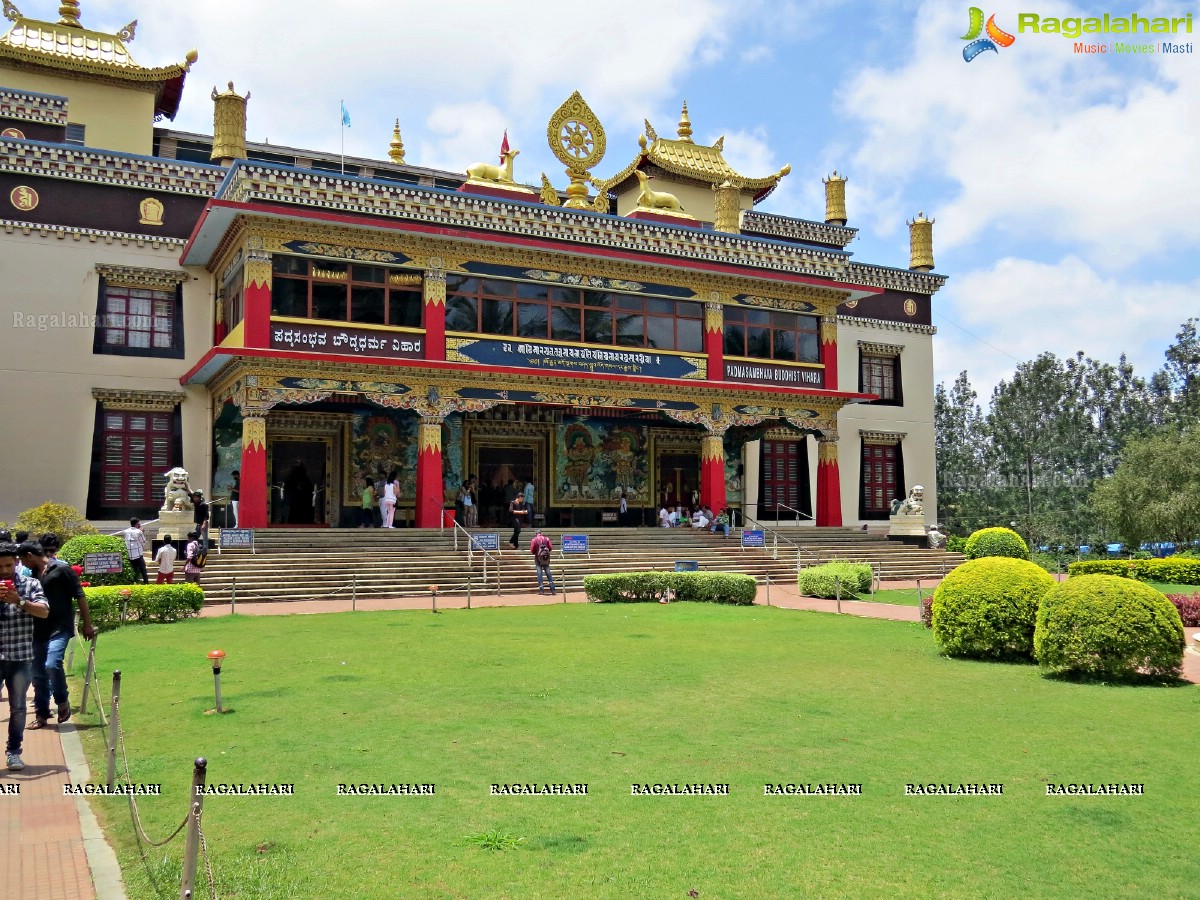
pixel 489 173
pixel 649 199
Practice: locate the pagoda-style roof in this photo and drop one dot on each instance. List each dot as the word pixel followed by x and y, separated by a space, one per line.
pixel 68 46
pixel 692 161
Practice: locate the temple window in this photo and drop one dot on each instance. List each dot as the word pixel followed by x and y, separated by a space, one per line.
pixel 768 334
pixel 552 312
pixel 880 374
pixel 76 134
pixel 137 320
pixel 881 477
pixel 344 292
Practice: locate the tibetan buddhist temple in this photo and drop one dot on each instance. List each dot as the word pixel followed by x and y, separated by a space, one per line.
pixel 630 325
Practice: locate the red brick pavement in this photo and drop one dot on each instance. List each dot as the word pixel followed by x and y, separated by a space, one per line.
pixel 43 855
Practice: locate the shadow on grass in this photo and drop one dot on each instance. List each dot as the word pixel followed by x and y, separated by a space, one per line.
pixel 1137 679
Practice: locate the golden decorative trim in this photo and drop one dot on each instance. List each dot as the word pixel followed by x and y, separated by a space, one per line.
pixel 829 334
pixel 254 433
pixel 727 207
pixel 138 401
pixel 881 438
pixel 434 293
pixel 24 198
pixel 920 236
pixel 429 435
pixel 835 199
pixel 257 272
pixel 330 274
pixel 577 139
pixel 873 349
pixel 714 317
pixel 396 280
pixel 827 450
pixel 712 446
pixel 396 148
pixel 133 276
pixel 151 211
pixel 229 124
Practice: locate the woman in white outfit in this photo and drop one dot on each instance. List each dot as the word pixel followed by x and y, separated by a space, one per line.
pixel 387 503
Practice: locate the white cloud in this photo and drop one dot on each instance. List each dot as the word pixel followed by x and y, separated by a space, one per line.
pixel 1035 139
pixel 1021 308
pixel 756 54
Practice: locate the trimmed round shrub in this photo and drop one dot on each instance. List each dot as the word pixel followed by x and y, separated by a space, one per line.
pixel 996 542
pixel 852 578
pixel 74 550
pixel 1108 627
pixel 987 608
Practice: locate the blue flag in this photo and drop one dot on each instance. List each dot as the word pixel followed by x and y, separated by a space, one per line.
pixel 345 115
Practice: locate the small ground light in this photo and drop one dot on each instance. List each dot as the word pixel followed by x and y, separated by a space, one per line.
pixel 433 589
pixel 125 593
pixel 216 657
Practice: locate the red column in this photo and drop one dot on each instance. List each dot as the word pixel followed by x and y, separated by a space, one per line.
pixel 829 351
pixel 829 483
pixel 429 472
pixel 220 328
pixel 712 471
pixel 252 510
pixel 435 314
pixel 256 301
pixel 714 344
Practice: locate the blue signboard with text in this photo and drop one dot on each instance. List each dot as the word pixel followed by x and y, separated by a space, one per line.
pixel 575 543
pixel 751 538
pixel 486 541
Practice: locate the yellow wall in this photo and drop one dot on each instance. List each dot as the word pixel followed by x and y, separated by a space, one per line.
pixel 698 201
pixel 115 118
pixel 48 375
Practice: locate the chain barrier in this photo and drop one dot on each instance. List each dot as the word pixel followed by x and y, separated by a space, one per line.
pixel 208 872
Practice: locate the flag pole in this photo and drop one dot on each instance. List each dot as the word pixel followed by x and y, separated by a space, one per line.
pixel 343 124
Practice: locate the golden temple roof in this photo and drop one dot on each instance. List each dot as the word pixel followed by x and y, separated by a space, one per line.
pixel 67 45
pixel 694 161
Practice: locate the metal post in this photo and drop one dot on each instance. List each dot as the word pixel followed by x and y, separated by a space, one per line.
pixel 192 846
pixel 217 686
pixel 354 592
pixel 233 597
pixel 114 728
pixel 469 588
pixel 433 596
pixel 88 675
pixel 837 590
pixel 920 596
pixel 768 589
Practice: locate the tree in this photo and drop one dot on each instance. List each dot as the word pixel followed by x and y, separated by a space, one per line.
pixel 1180 376
pixel 959 443
pixel 1155 492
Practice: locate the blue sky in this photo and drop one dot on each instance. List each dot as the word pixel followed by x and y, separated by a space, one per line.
pixel 1065 187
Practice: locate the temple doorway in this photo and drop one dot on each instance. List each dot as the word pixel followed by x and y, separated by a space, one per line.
pixel 497 465
pixel 678 477
pixel 299 481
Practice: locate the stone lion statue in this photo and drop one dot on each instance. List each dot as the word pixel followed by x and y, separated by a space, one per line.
pixel 177 494
pixel 914 504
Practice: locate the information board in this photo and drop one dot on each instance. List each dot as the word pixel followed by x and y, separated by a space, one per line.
pixel 103 563
pixel 752 538
pixel 687 565
pixel 486 541
pixel 575 543
pixel 237 538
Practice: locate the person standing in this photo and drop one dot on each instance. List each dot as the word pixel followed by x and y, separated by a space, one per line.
pixel 387 503
pixel 135 544
pixel 21 602
pixel 541 548
pixel 235 495
pixel 520 514
pixel 367 517
pixel 200 516
pixel 191 565
pixel 62 590
pixel 529 499
pixel 165 558
pixel 471 504
pixel 623 511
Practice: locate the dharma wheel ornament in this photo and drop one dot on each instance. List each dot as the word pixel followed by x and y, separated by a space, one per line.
pixel 577 138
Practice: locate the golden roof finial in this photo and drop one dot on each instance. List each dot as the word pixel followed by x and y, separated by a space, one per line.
pixel 69 10
pixel 685 126
pixel 835 199
pixel 920 238
pixel 396 153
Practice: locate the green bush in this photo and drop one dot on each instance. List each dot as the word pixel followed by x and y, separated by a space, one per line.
pixel 987 608
pixel 75 549
pixel 956 544
pixel 819 581
pixel 1122 568
pixel 1172 570
pixel 649 587
pixel 65 521
pixel 147 603
pixel 714 587
pixel 1108 627
pixel 996 542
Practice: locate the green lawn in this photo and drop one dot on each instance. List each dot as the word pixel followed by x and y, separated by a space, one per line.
pixel 619 694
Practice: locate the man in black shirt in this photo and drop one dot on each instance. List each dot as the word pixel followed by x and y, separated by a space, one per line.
pixel 200 517
pixel 51 635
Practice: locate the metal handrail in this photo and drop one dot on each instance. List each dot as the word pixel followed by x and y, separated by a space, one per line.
pixel 777 537
pixel 472 549
pixel 798 512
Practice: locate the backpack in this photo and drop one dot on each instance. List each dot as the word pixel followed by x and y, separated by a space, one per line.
pixel 199 559
pixel 543 555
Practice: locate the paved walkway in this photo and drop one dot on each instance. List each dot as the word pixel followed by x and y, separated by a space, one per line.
pixel 49 829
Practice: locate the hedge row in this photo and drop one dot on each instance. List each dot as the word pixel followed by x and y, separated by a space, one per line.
pixel 147 603
pixel 828 579
pixel 1172 570
pixel 648 587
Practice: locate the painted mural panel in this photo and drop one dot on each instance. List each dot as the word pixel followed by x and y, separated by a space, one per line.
pixel 452 456
pixel 595 459
pixel 385 442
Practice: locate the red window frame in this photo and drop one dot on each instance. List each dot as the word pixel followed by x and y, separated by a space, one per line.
pixel 136 450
